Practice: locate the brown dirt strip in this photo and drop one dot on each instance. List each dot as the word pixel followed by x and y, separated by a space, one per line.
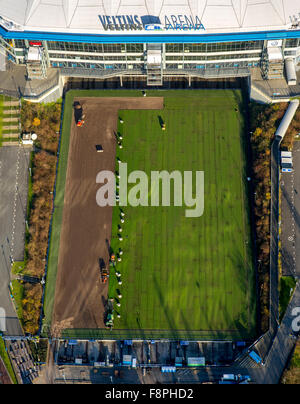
pixel 4 376
pixel 80 297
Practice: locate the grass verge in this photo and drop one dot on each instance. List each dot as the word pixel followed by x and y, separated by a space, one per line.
pixel 287 287
pixel 6 360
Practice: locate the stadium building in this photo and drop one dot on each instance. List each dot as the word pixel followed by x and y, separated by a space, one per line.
pixel 152 39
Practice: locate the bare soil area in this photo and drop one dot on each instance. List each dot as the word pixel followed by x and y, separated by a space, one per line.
pixel 80 297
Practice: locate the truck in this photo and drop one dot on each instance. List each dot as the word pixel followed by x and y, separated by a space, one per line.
pixel 286 162
pixel 79 115
pixel 235 379
pixel 254 356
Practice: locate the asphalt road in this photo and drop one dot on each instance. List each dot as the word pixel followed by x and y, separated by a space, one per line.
pixel 80 374
pixel 274 245
pixel 282 337
pixel 282 347
pixel 290 213
pixel 13 200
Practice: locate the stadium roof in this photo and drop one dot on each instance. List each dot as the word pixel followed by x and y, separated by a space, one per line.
pixel 140 16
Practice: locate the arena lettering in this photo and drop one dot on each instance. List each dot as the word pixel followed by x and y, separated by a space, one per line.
pixel 183 22
pixel 150 23
pixel 121 22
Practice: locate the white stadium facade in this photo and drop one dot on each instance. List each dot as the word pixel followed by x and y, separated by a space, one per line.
pixel 153 39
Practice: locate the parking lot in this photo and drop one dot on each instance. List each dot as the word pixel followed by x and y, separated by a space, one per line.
pixel 14 163
pixel 153 353
pixel 22 361
pixel 88 375
pixel 101 362
pixel 290 217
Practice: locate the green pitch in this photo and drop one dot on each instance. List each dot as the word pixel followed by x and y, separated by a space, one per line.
pixel 187 277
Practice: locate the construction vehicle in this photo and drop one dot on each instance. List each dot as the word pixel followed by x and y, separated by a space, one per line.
pixel 104 275
pixel 109 322
pixel 99 148
pixel 79 115
pixel 109 316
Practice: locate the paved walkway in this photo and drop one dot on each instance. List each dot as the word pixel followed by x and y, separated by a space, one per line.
pixel 14 83
pixel 274 88
pixel 274 245
pixel 282 347
pixel 290 213
pixel 13 201
pixel 281 340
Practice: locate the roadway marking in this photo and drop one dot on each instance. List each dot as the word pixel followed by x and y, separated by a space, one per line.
pixel 293 219
pixel 290 189
pixel 15 204
pixel 1 184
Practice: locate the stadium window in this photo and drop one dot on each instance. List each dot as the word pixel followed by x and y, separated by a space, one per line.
pixel 195 47
pixel 290 53
pixel 134 48
pixel 174 47
pixel 171 66
pixel 292 43
pixel 19 43
pixel 19 52
pixel 113 48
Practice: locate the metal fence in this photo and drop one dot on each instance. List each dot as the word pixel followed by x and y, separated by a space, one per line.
pixel 157 335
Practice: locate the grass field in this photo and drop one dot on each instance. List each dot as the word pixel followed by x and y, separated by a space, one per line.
pixel 179 273
pixel 185 277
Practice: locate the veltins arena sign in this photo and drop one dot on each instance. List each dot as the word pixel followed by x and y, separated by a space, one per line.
pixel 150 23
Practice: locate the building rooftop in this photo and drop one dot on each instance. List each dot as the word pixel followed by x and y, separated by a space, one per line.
pixel 174 16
